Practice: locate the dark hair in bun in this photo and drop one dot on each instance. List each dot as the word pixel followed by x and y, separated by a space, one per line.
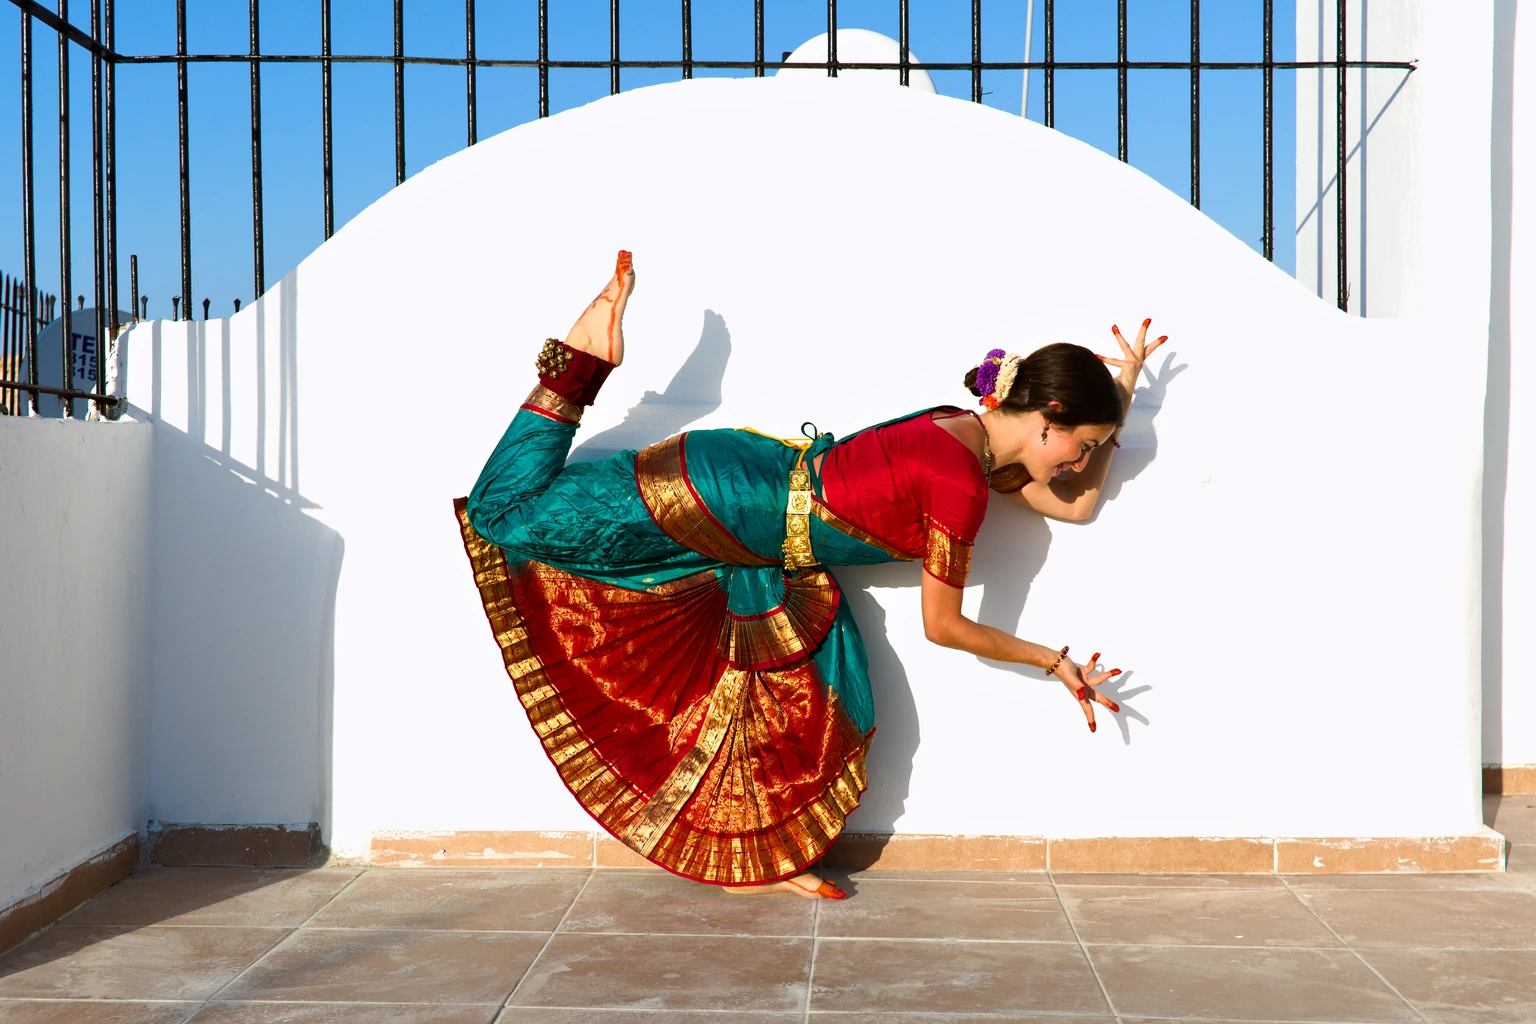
pixel 1067 374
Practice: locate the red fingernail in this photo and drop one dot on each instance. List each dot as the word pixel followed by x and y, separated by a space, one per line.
pixel 1093 726
pixel 1094 658
pixel 1105 358
pixel 1114 707
pixel 1115 328
pixel 1081 690
pixel 1163 338
pixel 1114 671
pixel 1147 322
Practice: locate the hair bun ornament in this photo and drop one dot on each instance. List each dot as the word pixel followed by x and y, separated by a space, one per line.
pixel 995 377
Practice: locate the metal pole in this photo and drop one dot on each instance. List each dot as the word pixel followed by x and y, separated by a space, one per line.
pixel 325 117
pixel 470 115
pixel 831 38
pixel 1341 156
pixel 906 47
pixel 687 39
pixel 186 169
pixel 1269 130
pixel 66 282
pixel 758 71
pixel 110 71
pixel 613 47
pixel 258 212
pixel 133 283
pixel 98 211
pixel 1123 74
pixel 399 91
pixel 1194 103
pixel 1050 63
pixel 28 204
pixel 543 58
pixel 1029 49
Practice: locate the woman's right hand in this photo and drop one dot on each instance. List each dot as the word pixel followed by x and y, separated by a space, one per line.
pixel 1135 358
pixel 1080 682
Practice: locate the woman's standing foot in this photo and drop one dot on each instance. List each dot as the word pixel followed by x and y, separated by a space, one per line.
pixel 807 886
pixel 599 331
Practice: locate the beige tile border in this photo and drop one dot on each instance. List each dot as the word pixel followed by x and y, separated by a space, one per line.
pixel 1481 851
pixel 1509 778
pixel 66 891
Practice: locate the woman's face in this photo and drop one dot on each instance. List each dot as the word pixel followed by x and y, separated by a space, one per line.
pixel 1065 449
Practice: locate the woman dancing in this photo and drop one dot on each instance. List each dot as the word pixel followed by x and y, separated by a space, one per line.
pixel 667 619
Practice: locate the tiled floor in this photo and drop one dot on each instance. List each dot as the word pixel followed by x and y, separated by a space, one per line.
pixel 235 946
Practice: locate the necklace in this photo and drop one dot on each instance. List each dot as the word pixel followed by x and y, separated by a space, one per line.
pixel 986 446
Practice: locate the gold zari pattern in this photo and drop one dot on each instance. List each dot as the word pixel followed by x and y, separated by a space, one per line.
pixel 556 407
pixel 679 511
pixel 949 558
pixel 797 521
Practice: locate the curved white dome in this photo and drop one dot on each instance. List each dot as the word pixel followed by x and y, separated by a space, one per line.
pixel 858 45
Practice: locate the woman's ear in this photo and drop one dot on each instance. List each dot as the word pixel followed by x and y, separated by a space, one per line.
pixel 1056 407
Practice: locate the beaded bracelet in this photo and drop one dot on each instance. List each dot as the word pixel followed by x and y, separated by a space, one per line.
pixel 1057 663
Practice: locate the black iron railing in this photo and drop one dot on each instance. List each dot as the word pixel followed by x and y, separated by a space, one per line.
pixel 105 59
pixel 17 342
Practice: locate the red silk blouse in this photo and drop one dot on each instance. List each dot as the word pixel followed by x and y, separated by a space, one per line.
pixel 912 486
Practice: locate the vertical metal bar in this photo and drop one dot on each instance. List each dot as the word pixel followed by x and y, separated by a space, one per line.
pixel 1194 102
pixel 1269 130
pixel 975 51
pixel 133 283
pixel 543 58
pixel 613 47
pixel 831 38
pixel 186 167
pixel 470 116
pixel 98 212
pixel 687 39
pixel 28 211
pixel 110 72
pixel 1123 74
pixel 66 256
pixel 1341 156
pixel 258 210
pixel 906 44
pixel 325 118
pixel 758 71
pixel 1050 63
pixel 399 91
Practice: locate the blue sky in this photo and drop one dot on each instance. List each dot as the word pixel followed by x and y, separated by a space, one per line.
pixel 1231 103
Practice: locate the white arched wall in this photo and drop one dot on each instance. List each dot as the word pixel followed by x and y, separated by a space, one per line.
pixel 1291 586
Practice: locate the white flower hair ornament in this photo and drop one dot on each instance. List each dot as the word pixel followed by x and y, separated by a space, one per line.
pixel 996 375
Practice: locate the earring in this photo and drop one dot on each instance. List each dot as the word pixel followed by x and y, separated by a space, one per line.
pixel 1043 433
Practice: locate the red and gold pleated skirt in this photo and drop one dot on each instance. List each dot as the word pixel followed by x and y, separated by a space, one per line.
pixel 675 723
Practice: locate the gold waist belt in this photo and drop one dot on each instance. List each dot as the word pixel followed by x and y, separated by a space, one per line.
pixel 797 520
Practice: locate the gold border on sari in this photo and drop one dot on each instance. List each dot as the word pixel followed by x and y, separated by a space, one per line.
pixel 662 478
pixel 949 558
pixel 547 403
pixel 847 529
pixel 783 634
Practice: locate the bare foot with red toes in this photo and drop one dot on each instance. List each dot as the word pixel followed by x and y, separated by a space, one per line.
pixel 807 885
pixel 599 331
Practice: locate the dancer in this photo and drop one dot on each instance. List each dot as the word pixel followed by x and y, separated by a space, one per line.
pixel 668 620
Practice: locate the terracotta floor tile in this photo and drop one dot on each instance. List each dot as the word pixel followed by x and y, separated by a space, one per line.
pixel 98 962
pixel 399 898
pixel 652 901
pixel 250 897
pixel 669 972
pixel 1189 881
pixel 1201 917
pixel 344 1013
pixel 947 910
pixel 1456 986
pixel 322 965
pixel 1475 919
pixel 547 1015
pixel 21 1011
pixel 936 976
pixel 1246 984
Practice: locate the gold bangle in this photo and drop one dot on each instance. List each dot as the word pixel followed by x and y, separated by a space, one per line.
pixel 1057 663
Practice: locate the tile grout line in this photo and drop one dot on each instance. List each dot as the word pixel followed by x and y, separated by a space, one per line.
pixel 1083 948
pixel 281 939
pixel 507 1002
pixel 1412 1006
pixel 810 975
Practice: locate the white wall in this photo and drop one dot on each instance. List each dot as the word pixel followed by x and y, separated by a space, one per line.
pixel 74 653
pixel 1509 691
pixel 843 255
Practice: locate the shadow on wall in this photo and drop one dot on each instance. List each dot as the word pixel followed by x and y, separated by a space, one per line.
pixel 693 392
pixel 244 589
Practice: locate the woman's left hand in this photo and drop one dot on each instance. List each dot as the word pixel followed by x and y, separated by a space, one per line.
pixel 1080 682
pixel 1135 358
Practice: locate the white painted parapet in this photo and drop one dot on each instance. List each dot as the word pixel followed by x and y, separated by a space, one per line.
pixel 1285 562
